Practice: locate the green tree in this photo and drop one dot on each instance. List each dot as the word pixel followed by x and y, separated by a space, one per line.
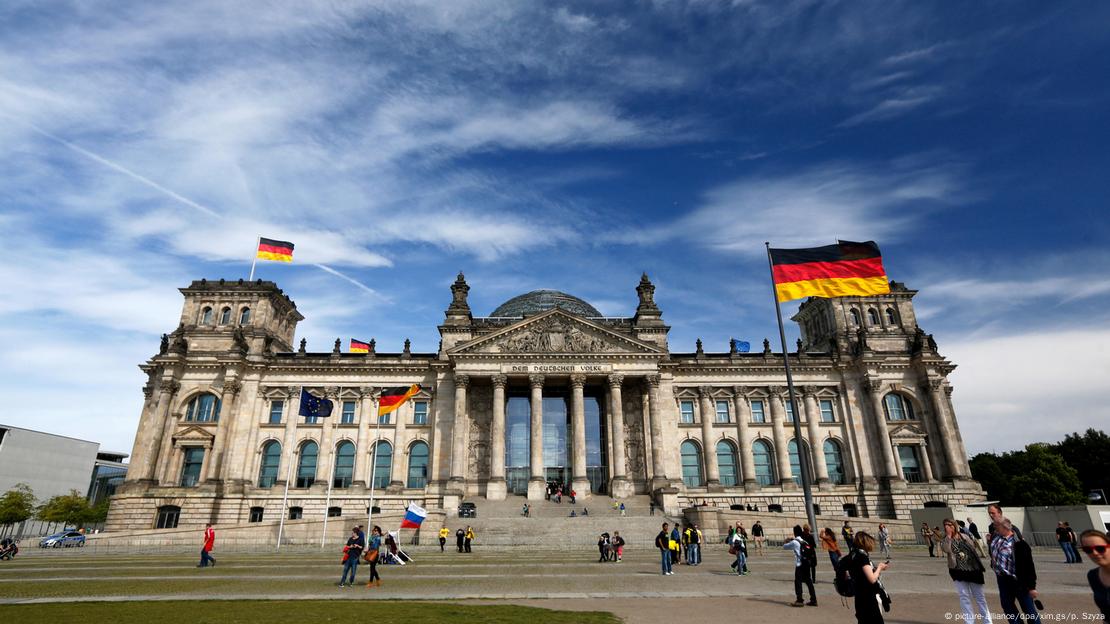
pixel 70 509
pixel 1037 475
pixel 17 504
pixel 1089 454
pixel 987 470
pixel 99 513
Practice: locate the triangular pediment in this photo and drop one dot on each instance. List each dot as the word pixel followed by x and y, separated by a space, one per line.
pixel 193 433
pixel 555 331
pixel 906 432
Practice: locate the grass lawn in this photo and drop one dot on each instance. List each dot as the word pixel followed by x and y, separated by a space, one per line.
pixel 303 611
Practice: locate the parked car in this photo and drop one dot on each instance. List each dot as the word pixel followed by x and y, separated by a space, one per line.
pixel 468 510
pixel 64 539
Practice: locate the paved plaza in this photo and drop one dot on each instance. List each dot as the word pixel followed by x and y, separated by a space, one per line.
pixel 633 589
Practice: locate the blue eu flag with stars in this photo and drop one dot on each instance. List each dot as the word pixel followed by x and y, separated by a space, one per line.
pixel 314 407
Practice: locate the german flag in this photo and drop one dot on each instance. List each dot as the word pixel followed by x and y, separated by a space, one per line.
pixel 846 269
pixel 393 398
pixel 270 249
pixel 358 346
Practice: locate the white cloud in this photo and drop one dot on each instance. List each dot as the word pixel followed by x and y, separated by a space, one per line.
pixel 1029 387
pixel 904 102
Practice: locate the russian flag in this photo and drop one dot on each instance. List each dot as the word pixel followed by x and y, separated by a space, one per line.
pixel 414 515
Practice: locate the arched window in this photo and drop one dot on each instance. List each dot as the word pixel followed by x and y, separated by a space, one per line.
pixel 834 462
pixel 891 317
pixel 855 317
pixel 206 316
pixel 726 463
pixel 344 464
pixel 763 463
pixel 203 408
pixel 418 465
pixel 245 316
pixel 691 464
pixel 897 407
pixel 306 465
pixel 796 460
pixel 383 464
pixel 225 316
pixel 872 317
pixel 167 517
pixel 271 462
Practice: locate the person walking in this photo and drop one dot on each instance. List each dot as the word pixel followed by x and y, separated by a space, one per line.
pixel 866 578
pixel 966 571
pixel 651 507
pixel 622 509
pixel 1074 542
pixel 973 531
pixel 352 552
pixel 663 543
pixel 1063 537
pixel 739 547
pixel 618 545
pixel 798 545
pixel 995 512
pixel 1094 543
pixel 757 535
pixel 443 533
pixel 206 549
pixel 828 544
pixel 927 537
pixel 602 547
pixel 373 551
pixel 884 541
pixel 1012 561
pixel 846 533
pixel 468 538
pixel 460 536
pixel 807 535
pixel 573 496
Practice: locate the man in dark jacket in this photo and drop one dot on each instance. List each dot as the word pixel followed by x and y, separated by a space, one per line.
pixel 1012 560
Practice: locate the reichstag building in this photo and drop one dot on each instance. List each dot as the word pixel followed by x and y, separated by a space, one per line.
pixel 543 389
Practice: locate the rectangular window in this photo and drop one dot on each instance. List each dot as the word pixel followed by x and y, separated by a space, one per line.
pixel 911 469
pixel 190 470
pixel 789 410
pixel 722 411
pixel 296 513
pixel 348 416
pixel 256 514
pixel 827 414
pixel 687 408
pixel 276 408
pixel 420 412
pixel 758 415
pixel 383 419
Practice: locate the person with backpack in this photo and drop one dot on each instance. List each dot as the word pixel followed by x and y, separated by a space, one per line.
pixel 803 555
pixel 807 535
pixel 858 578
pixel 966 571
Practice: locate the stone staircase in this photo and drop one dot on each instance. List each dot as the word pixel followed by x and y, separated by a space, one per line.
pixel 500 523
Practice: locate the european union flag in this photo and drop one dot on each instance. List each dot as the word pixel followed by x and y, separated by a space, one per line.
pixel 314 407
pixel 743 346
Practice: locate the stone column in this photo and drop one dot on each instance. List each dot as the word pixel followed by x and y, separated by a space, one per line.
pixel 658 470
pixel 744 435
pixel 240 435
pixel 782 450
pixel 227 419
pixel 947 431
pixel 496 489
pixel 366 414
pixel 458 431
pixel 708 442
pixel 536 482
pixel 620 487
pixel 645 415
pixel 890 470
pixel 579 481
pixel 152 428
pixel 816 444
pixel 166 448
pixel 926 465
pixel 288 452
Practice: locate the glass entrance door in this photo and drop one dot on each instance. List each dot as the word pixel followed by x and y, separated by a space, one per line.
pixel 517 431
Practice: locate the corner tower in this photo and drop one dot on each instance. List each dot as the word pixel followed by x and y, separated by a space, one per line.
pixel 879 323
pixel 249 317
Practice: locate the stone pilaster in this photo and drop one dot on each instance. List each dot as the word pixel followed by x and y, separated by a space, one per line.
pixel 778 430
pixel 366 414
pixel 890 471
pixel 496 489
pixel 288 452
pixel 228 415
pixel 948 438
pixel 537 485
pixel 152 429
pixel 744 435
pixel 816 443
pixel 708 440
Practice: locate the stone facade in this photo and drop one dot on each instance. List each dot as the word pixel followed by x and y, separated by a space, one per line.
pixel 509 403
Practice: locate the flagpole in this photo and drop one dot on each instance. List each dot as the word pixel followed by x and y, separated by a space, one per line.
pixel 374 469
pixel 803 457
pixel 331 481
pixel 254 259
pixel 288 477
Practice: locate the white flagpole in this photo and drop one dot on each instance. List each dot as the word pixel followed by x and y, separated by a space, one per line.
pixel 254 257
pixel 331 481
pixel 374 470
pixel 288 477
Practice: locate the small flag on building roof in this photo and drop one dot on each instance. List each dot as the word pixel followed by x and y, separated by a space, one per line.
pixel 279 251
pixel 393 398
pixel 846 269
pixel 358 346
pixel 414 515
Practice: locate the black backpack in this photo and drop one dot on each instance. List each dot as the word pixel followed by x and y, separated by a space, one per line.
pixel 843 581
pixel 809 555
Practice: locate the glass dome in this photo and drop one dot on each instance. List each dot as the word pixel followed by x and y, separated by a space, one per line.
pixel 541 300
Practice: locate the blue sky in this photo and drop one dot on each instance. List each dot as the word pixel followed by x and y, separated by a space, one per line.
pixel 554 145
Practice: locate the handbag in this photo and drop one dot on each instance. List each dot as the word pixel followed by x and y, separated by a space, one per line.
pixel 966 559
pixel 734 549
pixel 371 556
